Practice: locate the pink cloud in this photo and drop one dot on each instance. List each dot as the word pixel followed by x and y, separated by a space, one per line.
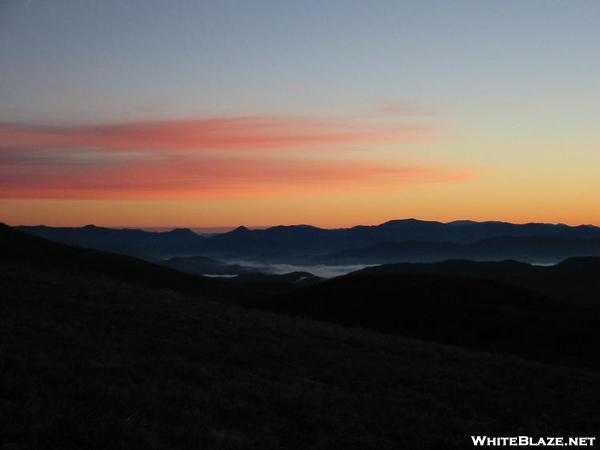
pixel 185 159
pixel 228 133
pixel 187 177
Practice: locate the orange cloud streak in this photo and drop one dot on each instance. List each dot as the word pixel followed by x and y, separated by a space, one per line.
pixel 235 133
pixel 172 159
pixel 184 177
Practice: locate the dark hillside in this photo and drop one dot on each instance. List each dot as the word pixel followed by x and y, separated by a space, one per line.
pixel 575 280
pixel 465 311
pixel 18 246
pixel 40 253
pixel 92 361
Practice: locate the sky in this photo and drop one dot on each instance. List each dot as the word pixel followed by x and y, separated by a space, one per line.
pixel 147 113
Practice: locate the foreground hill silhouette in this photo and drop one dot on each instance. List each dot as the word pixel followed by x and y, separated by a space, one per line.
pixel 575 280
pixel 92 360
pixel 466 311
pixel 42 254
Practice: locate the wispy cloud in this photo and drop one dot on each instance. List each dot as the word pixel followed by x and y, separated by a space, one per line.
pixel 204 158
pixel 184 176
pixel 223 133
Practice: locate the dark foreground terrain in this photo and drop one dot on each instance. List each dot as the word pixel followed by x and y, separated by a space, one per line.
pixel 479 313
pixel 93 359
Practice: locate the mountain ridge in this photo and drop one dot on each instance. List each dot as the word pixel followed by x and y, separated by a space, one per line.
pixel 299 241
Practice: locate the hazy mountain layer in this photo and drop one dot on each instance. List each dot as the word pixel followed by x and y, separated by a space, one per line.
pixel 302 243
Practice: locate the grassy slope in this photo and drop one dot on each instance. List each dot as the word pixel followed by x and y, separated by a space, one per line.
pixel 473 313
pixel 91 362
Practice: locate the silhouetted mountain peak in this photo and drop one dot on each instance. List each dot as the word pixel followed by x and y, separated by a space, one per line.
pixel 300 227
pixel 239 230
pixel 182 232
pixel 403 222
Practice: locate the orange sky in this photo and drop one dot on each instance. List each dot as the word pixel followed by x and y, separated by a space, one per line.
pixel 330 113
pixel 262 171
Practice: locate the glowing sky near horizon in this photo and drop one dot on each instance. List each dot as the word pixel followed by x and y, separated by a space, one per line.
pixel 208 114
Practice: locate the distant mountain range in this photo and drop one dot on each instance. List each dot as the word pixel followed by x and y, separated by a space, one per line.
pixel 394 241
pixel 533 249
pixel 133 242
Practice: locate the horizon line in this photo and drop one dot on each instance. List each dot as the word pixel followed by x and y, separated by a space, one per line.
pixel 226 228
